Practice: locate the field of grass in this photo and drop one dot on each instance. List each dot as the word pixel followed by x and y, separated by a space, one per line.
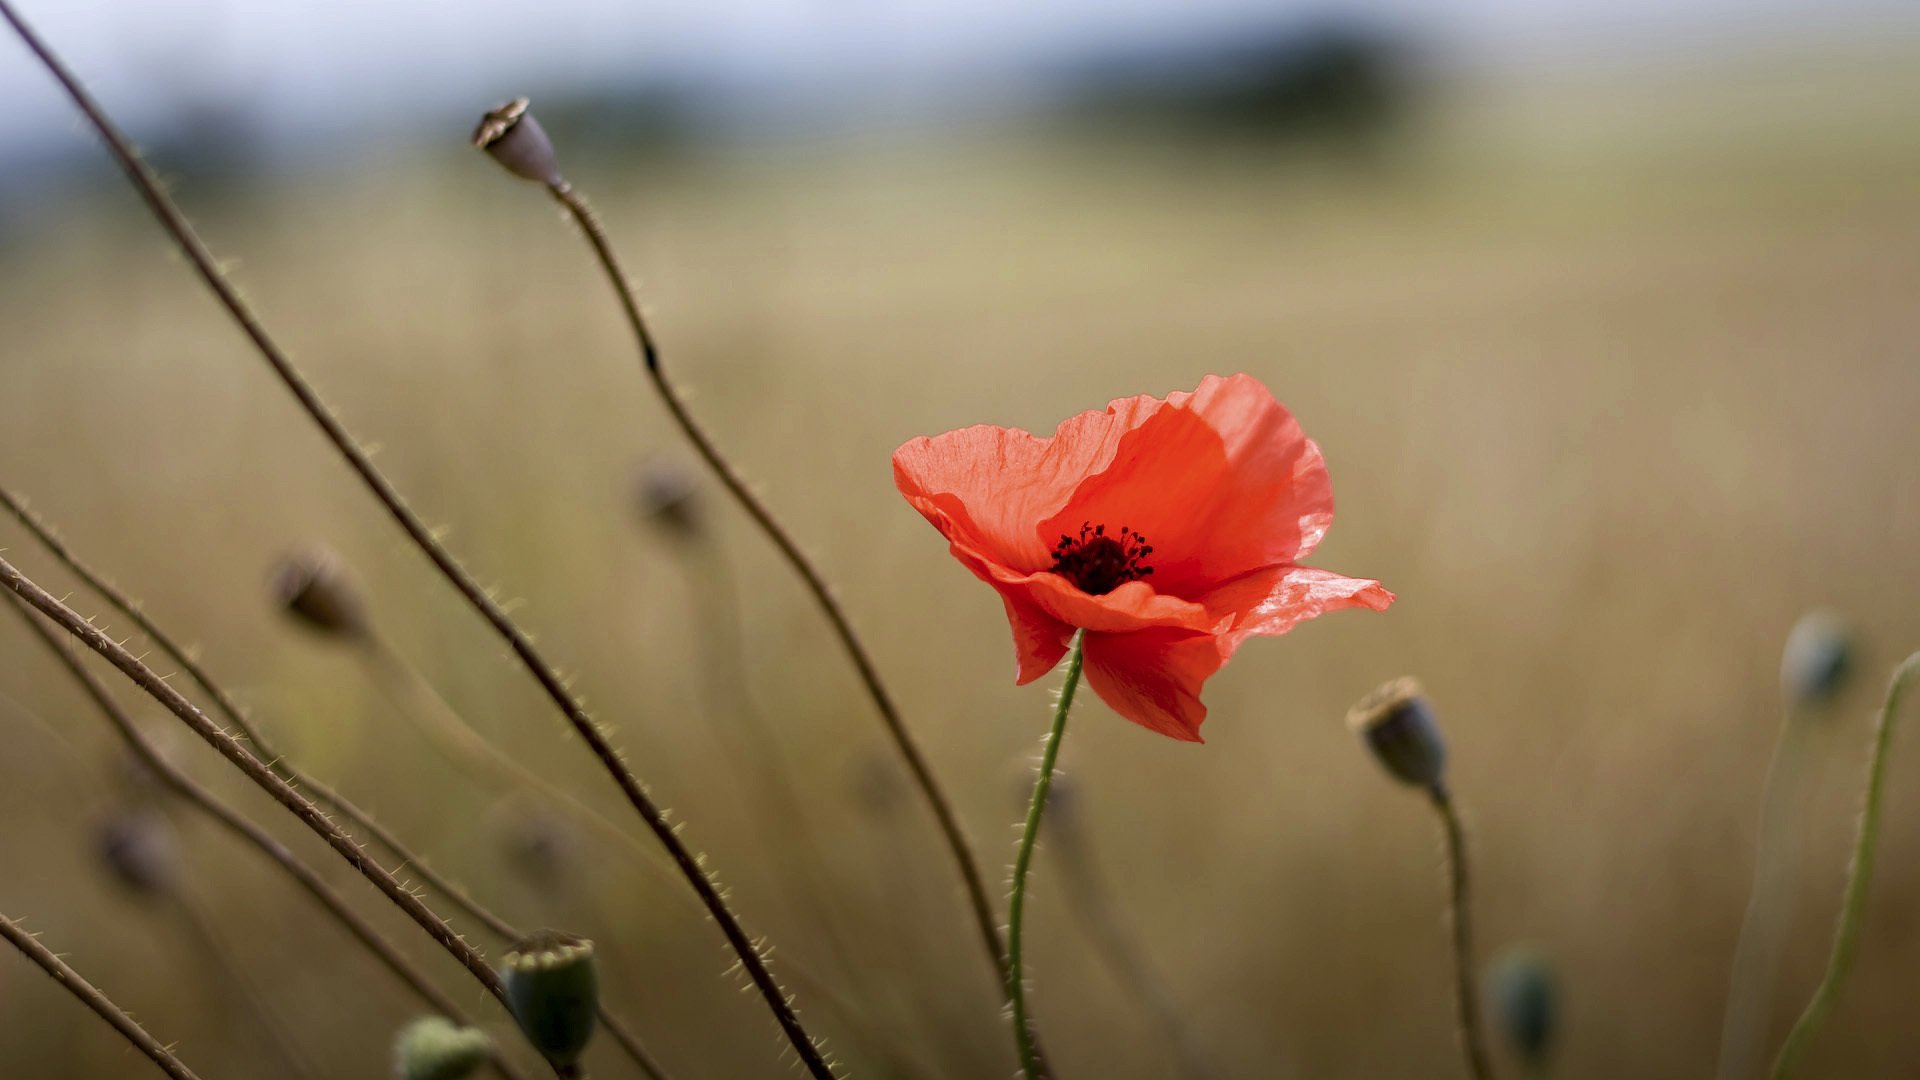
pixel 1615 379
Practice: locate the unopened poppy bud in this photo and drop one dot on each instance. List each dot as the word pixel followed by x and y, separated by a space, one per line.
pixel 312 588
pixel 1817 659
pixel 553 990
pixel 435 1048
pixel 1525 1003
pixel 512 137
pixel 669 498
pixel 138 848
pixel 1398 726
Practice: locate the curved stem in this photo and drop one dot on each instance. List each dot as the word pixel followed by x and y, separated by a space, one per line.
pixel 203 799
pixel 1459 911
pixel 1846 937
pixel 263 777
pixel 1030 1062
pixel 272 758
pixel 422 537
pixel 909 750
pixel 256 1011
pixel 95 1000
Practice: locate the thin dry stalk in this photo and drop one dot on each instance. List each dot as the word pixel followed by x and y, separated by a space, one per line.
pixel 450 568
pixel 102 1005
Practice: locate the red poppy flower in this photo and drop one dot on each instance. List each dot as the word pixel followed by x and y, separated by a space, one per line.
pixel 1167 530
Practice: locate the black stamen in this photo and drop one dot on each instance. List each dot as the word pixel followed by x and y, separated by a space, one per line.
pixel 1099 563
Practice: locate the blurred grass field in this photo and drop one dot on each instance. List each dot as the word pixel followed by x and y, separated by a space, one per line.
pixel 1615 381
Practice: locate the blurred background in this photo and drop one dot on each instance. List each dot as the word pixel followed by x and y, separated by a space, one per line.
pixel 1604 316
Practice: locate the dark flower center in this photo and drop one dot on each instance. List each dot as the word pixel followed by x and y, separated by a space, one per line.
pixel 1099 563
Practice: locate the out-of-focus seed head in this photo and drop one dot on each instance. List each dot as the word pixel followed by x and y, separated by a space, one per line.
pixel 553 989
pixel 139 849
pixel 542 848
pixel 435 1048
pixel 1524 998
pixel 1399 727
pixel 313 588
pixel 1817 660
pixel 668 497
pixel 512 137
pixel 876 784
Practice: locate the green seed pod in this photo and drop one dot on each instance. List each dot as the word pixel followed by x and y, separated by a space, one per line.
pixel 435 1048
pixel 553 989
pixel 1398 726
pixel 1816 661
pixel 314 590
pixel 1525 1003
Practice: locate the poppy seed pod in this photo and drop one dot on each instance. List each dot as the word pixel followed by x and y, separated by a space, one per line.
pixel 435 1048
pixel 511 136
pixel 553 990
pixel 1817 659
pixel 1525 1002
pixel 138 848
pixel 668 497
pixel 313 589
pixel 1398 726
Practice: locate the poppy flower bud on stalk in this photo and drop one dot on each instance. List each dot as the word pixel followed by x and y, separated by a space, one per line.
pixel 1398 726
pixel 435 1048
pixel 1525 1003
pixel 314 590
pixel 138 848
pixel 668 498
pixel 1817 660
pixel 511 136
pixel 553 990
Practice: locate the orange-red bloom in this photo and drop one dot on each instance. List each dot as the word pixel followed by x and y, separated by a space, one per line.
pixel 1167 530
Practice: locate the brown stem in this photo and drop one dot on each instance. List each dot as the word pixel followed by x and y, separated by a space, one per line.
pixel 95 1000
pixel 243 827
pixel 903 741
pixel 263 777
pixel 321 793
pixel 450 568
pixel 1460 905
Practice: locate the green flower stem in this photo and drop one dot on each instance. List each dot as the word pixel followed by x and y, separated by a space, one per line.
pixel 1030 1065
pixel 1846 937
pixel 1466 999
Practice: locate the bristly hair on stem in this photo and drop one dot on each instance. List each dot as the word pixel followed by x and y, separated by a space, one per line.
pixel 1853 905
pixel 271 756
pixel 262 777
pixel 102 1005
pixel 203 799
pixel 905 745
pixel 517 639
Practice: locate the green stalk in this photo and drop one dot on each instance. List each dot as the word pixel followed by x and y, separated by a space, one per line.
pixel 1030 1065
pixel 1846 937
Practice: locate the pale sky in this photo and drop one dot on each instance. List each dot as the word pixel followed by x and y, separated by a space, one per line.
pixel 328 64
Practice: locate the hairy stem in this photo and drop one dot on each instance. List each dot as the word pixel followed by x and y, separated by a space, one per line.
pixel 904 743
pixel 1031 1065
pixel 1460 917
pixel 263 777
pixel 422 537
pixel 270 756
pixel 1853 905
pixel 95 1000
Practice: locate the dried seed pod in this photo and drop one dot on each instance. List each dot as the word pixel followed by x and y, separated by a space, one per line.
pixel 1399 727
pixel 511 136
pixel 435 1048
pixel 313 588
pixel 553 989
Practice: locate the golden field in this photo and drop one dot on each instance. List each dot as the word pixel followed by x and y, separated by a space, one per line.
pixel 1616 376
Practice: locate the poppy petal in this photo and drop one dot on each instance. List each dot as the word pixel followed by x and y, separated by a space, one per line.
pixel 1275 599
pixel 1153 677
pixel 986 486
pixel 1220 482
